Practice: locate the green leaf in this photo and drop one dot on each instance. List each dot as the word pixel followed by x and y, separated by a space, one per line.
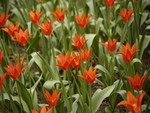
pixel 90 38
pixel 144 17
pixel 102 68
pixel 75 103
pixel 136 60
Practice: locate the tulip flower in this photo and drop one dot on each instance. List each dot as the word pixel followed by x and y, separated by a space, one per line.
pixel 14 71
pixel 109 3
pixel 1 80
pixel 76 60
pixel 89 75
pixel 85 54
pixel 111 46
pixel 79 42
pixel 1 56
pixel 40 0
pixel 128 52
pixel 126 14
pixel 43 110
pixel 59 15
pixel 82 21
pixel 52 99
pixel 64 61
pixel 47 28
pixel 137 82
pixel 3 19
pixel 35 16
pixel 12 29
pixel 133 103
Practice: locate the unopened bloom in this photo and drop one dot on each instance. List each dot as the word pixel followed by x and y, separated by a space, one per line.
pixel 47 28
pixel 109 3
pixel 128 52
pixel 89 75
pixel 52 99
pixel 137 82
pixel 64 61
pixel 85 54
pixel 59 15
pixel 12 29
pixel 76 60
pixel 43 110
pixel 3 19
pixel 82 21
pixel 35 17
pixel 22 37
pixel 111 46
pixel 79 41
pixel 1 80
pixel 1 56
pixel 133 103
pixel 14 71
pixel 126 14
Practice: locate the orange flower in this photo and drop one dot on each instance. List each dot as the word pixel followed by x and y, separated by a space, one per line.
pixel 128 52
pixel 89 75
pixel 52 99
pixel 59 15
pixel 132 103
pixel 111 46
pixel 126 14
pixel 22 37
pixel 43 110
pixel 109 3
pixel 35 17
pixel 76 60
pixel 12 29
pixel 3 19
pixel 136 82
pixel 85 54
pixel 82 21
pixel 1 80
pixel 79 42
pixel 40 0
pixel 14 71
pixel 1 56
pixel 47 28
pixel 64 61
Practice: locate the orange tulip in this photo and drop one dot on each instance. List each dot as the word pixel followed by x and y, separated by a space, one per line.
pixel 126 14
pixel 35 17
pixel 89 75
pixel 22 37
pixel 1 80
pixel 85 54
pixel 1 56
pixel 82 21
pixel 128 52
pixel 133 103
pixel 59 15
pixel 79 42
pixel 47 28
pixel 43 110
pixel 64 61
pixel 14 71
pixel 136 82
pixel 111 46
pixel 76 60
pixel 40 0
pixel 52 99
pixel 109 3
pixel 12 29
pixel 3 19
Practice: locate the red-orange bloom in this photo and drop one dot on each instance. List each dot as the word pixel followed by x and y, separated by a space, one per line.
pixel 85 54
pixel 59 15
pixel 76 60
pixel 14 71
pixel 126 14
pixel 133 103
pixel 35 16
pixel 109 3
pixel 47 28
pixel 82 21
pixel 12 29
pixel 22 37
pixel 64 61
pixel 3 19
pixel 111 46
pixel 43 110
pixel 89 75
pixel 52 99
pixel 1 56
pixel 40 0
pixel 137 82
pixel 1 80
pixel 79 42
pixel 128 52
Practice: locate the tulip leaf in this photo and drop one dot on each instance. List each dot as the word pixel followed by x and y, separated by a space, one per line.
pixel 90 38
pixel 100 67
pixel 144 17
pixel 135 60
pixel 75 103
